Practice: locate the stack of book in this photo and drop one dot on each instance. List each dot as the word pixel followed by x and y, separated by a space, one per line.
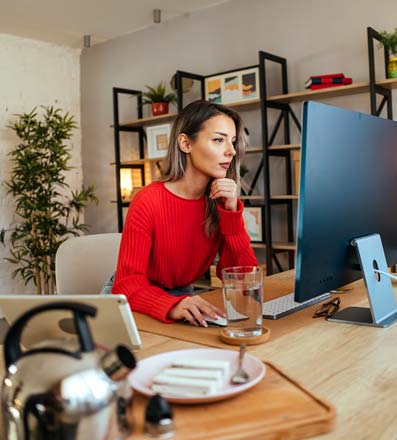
pixel 316 82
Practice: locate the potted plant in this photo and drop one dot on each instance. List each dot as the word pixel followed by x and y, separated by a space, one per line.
pixel 46 215
pixel 389 40
pixel 159 99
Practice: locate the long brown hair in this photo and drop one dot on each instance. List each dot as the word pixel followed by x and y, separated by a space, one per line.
pixel 190 121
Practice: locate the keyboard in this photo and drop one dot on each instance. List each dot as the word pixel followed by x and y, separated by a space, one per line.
pixel 279 307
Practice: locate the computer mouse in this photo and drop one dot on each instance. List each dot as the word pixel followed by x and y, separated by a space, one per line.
pixel 220 322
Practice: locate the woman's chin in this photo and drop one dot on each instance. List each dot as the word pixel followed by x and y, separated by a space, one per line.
pixel 219 174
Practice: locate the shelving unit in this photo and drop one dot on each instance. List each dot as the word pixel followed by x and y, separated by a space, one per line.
pixel 138 125
pixel 281 103
pixel 286 118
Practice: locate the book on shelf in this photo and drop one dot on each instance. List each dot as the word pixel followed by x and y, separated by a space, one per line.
pixel 328 78
pixel 329 75
pixel 326 86
pixel 316 81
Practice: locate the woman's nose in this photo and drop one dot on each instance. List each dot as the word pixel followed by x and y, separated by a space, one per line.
pixel 230 151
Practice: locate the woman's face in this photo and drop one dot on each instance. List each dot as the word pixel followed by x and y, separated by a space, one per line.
pixel 213 149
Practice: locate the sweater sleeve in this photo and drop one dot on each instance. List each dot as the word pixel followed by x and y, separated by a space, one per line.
pixel 131 275
pixel 235 249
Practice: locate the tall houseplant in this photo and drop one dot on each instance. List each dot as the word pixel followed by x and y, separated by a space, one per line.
pixel 46 216
pixel 158 98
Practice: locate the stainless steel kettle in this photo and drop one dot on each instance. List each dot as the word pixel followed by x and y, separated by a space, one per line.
pixel 62 390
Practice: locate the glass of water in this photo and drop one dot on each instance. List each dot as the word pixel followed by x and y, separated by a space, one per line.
pixel 243 299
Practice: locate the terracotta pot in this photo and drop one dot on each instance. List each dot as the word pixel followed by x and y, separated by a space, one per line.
pixel 159 108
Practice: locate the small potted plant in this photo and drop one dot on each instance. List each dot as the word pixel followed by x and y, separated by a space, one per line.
pixel 159 99
pixel 389 40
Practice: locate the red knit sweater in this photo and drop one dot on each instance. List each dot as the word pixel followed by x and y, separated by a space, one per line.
pixel 164 245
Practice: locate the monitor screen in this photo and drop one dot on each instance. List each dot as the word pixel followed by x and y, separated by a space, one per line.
pixel 348 189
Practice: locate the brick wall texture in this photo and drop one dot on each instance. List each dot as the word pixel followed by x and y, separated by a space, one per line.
pixel 33 73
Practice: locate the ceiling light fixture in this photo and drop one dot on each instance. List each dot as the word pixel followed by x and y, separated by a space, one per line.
pixel 156 15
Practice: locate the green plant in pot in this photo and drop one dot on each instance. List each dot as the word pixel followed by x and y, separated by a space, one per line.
pixel 389 40
pixel 46 214
pixel 158 98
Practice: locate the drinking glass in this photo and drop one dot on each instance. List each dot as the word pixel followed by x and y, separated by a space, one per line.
pixel 243 300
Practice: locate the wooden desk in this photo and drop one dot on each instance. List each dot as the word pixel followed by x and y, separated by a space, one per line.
pixel 353 367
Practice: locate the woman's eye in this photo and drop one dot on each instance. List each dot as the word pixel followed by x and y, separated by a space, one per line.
pixel 218 140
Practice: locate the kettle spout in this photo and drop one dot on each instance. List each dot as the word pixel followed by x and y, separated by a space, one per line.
pixel 117 363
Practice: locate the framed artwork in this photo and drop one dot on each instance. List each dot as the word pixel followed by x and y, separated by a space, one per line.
pixel 232 87
pixel 253 222
pixel 213 89
pixel 231 91
pixel 157 137
pixel 250 83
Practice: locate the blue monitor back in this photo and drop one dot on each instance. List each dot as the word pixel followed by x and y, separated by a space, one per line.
pixel 348 189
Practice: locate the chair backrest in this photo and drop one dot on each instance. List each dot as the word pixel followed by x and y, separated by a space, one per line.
pixel 83 264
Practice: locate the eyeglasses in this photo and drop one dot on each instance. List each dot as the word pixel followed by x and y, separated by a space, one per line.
pixel 328 309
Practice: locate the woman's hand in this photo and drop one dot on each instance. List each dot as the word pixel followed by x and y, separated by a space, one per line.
pixel 192 309
pixel 225 190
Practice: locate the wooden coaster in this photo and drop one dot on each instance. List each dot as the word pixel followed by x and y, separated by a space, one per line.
pixel 250 340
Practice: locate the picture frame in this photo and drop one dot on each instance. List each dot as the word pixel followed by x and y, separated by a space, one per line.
pixel 252 216
pixel 213 89
pixel 157 137
pixel 250 84
pixel 233 87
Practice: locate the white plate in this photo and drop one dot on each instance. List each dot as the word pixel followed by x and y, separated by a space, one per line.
pixel 141 378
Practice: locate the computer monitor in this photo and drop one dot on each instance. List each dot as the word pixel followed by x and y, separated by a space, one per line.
pixel 348 189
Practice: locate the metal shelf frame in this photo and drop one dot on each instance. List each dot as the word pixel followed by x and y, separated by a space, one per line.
pixel 117 130
pixel 268 138
pixel 376 89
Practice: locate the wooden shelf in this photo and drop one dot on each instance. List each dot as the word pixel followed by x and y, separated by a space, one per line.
pixel 284 246
pixel 138 161
pixel 258 245
pixel 253 150
pixel 147 121
pixel 259 198
pixel 285 197
pixel 280 246
pixel 277 197
pixel 285 147
pixel 242 104
pixel 331 92
pixel 164 118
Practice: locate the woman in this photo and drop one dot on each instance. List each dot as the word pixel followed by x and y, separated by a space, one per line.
pixel 175 227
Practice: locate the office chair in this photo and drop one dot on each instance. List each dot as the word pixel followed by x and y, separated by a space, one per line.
pixel 83 264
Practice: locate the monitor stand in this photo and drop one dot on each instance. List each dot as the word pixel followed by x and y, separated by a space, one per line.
pixel 383 308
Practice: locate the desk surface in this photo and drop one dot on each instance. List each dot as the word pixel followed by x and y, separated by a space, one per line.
pixel 351 366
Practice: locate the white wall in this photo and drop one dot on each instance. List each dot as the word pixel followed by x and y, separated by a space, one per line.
pixel 33 73
pixel 316 36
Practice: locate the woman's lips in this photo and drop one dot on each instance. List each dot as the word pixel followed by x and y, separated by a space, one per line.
pixel 225 165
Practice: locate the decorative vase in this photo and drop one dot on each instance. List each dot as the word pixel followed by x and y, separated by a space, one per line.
pixel 159 108
pixel 392 67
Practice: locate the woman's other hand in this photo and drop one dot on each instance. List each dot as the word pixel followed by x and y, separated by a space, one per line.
pixel 226 190
pixel 193 309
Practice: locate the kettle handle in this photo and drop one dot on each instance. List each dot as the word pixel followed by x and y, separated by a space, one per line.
pixel 12 342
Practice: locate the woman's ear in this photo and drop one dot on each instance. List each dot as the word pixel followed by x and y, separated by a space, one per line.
pixel 183 143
